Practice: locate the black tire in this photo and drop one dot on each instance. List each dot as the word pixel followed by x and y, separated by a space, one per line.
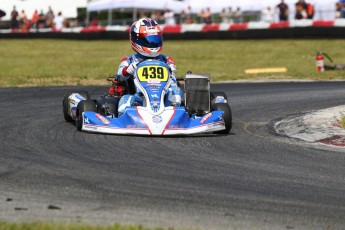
pixel 83 106
pixel 67 117
pixel 65 108
pixel 227 116
pixel 214 95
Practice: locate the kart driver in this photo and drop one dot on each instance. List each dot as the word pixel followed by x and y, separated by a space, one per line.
pixel 146 38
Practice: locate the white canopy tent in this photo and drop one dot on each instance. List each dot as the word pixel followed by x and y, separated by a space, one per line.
pixel 134 6
pixel 325 10
pixel 129 5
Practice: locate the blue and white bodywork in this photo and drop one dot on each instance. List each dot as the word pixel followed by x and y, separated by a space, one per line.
pixel 155 116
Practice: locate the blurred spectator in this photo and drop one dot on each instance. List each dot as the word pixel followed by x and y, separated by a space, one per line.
pixel 224 16
pixel 237 15
pixel 41 20
pixel 23 20
pixel 169 17
pixel 14 18
pixel 342 9
pixel 230 15
pixel 267 15
pixel 337 10
pixel 155 15
pixel 310 11
pixel 94 21
pixel 50 17
pixel 283 11
pixel 73 23
pixel 2 14
pixel 189 15
pixel 182 18
pixel 59 21
pixel 208 16
pixel 300 11
pixel 142 14
pixel 201 16
pixel 303 4
pixel 34 19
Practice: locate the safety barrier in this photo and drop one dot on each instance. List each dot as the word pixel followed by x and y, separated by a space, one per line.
pixel 250 30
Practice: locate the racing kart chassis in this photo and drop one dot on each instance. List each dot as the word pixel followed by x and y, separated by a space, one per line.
pixel 202 111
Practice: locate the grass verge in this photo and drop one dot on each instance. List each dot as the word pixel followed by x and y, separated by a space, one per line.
pixel 50 62
pixel 342 122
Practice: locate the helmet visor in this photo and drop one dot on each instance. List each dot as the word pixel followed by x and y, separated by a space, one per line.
pixel 152 41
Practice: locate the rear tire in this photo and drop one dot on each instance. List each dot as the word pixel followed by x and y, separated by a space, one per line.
pixel 65 108
pixel 65 103
pixel 227 116
pixel 83 106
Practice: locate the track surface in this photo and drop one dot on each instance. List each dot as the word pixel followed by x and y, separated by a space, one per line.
pixel 248 179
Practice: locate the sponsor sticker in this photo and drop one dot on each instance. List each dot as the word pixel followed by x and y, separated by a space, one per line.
pixel 157 119
pixel 213 125
pixel 154 96
pixel 205 118
pixel 155 103
pixel 155 82
pixel 90 127
pixel 86 120
pixel 102 119
pixel 154 85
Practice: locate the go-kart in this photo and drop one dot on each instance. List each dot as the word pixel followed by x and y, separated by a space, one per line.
pixel 201 111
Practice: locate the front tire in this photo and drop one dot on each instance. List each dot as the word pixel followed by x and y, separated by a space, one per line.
pixel 227 116
pixel 83 106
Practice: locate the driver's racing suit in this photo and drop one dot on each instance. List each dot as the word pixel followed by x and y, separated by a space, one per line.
pixel 174 94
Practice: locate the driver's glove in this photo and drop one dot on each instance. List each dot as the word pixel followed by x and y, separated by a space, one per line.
pixel 173 71
pixel 131 68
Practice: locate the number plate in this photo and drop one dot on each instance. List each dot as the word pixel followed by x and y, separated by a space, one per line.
pixel 156 73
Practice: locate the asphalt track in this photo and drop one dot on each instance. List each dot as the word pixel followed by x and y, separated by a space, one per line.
pixel 250 179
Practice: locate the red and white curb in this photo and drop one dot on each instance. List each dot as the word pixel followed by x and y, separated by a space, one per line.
pixel 177 29
pixel 320 127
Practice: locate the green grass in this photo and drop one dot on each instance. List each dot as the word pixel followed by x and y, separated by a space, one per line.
pixel 41 62
pixel 342 122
